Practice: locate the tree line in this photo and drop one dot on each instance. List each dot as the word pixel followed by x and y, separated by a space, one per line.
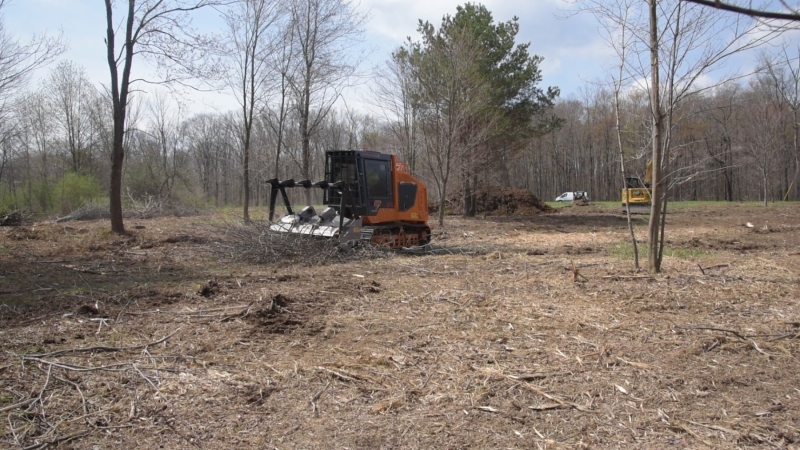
pixel 734 142
pixel 462 105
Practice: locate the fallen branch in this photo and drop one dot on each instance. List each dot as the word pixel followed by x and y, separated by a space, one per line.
pixel 83 399
pixel 548 406
pixel 348 376
pixel 55 442
pixel 239 315
pixel 158 391
pixel 532 376
pixel 755 346
pixel 714 427
pixel 634 363
pixel 98 348
pixel 630 277
pixel 18 405
pixel 786 336
pixel 74 368
pixel 550 397
pixel 44 388
pixel 675 423
pixel 338 375
pixel 723 330
pixel 717 266
pixel 116 321
pixel 738 335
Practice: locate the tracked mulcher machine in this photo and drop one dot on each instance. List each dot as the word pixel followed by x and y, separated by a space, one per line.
pixel 369 197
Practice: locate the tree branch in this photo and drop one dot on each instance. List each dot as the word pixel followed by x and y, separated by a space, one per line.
pixel 747 11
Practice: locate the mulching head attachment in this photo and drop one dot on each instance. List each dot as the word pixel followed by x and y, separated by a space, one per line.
pixel 329 223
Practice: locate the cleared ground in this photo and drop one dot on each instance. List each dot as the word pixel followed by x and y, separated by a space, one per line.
pixel 520 332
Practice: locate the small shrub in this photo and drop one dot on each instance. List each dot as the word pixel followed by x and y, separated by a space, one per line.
pixel 74 190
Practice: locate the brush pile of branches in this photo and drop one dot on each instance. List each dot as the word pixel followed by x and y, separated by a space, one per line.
pixel 89 211
pixel 146 208
pixel 150 207
pixel 12 218
pixel 499 201
pixel 254 243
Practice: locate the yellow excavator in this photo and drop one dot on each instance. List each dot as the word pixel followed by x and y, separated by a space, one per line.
pixel 637 193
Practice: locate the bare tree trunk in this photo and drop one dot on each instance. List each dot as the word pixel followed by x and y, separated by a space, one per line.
pixel 796 144
pixel 624 173
pixel 246 179
pixel 664 179
pixel 281 124
pixel 442 203
pixel 144 18
pixel 653 262
pixel 617 88
pixel 119 92
pixel 466 193
pixel 306 139
pixel 249 24
pixel 474 194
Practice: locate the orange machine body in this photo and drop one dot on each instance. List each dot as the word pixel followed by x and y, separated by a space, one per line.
pixel 392 213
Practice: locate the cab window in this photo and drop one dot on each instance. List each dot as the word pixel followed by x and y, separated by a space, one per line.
pixel 379 178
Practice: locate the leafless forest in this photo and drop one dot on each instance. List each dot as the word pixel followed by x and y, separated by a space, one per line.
pixel 734 140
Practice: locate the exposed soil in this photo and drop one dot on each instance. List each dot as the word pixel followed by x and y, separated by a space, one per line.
pixel 516 331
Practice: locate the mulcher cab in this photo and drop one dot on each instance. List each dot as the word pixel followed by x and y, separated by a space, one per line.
pixel 368 196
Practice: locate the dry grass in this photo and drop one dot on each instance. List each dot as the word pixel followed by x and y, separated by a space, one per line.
pixel 518 333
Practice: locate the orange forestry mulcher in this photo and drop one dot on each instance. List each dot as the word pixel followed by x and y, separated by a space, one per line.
pixel 370 197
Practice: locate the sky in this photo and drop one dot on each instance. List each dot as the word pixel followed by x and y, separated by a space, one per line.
pixel 573 50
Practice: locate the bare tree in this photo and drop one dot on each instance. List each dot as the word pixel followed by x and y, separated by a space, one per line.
pixel 36 142
pixel 167 134
pixel 723 114
pixel 208 146
pixel 157 29
pixel 675 44
pixel 764 129
pixel 7 134
pixel 73 96
pixel 19 59
pixel 785 74
pixel 282 61
pixel 325 33
pixel 395 94
pixel 619 37
pixel 657 117
pixel 249 43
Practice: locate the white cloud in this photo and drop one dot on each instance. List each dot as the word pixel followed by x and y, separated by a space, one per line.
pixel 571 46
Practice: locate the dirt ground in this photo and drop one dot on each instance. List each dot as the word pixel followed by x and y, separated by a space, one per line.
pixel 519 332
